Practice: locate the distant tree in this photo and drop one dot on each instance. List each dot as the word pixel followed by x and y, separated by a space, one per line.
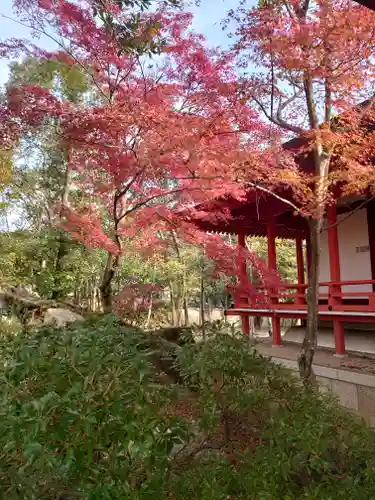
pixel 43 179
pixel 156 139
pixel 133 31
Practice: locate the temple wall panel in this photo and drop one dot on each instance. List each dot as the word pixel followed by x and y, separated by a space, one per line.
pixel 355 263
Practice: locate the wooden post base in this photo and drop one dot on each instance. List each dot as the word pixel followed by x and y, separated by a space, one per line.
pixel 276 332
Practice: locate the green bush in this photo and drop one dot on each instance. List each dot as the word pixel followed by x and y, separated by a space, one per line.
pixel 80 413
pixel 83 414
pixel 308 446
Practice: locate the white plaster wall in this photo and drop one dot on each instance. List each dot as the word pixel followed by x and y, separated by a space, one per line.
pixel 353 233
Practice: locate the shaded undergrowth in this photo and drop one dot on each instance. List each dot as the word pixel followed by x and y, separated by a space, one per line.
pixel 99 410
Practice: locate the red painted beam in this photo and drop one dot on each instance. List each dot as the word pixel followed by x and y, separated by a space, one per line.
pixel 323 315
pixel 349 282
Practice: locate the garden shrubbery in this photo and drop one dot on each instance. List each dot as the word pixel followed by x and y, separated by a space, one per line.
pixel 89 412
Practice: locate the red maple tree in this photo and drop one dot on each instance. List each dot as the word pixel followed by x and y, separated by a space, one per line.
pixel 154 136
pixel 304 63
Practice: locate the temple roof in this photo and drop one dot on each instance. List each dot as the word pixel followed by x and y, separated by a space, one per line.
pixel 251 215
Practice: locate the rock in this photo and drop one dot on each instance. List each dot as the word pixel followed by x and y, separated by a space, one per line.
pixel 26 292
pixel 61 317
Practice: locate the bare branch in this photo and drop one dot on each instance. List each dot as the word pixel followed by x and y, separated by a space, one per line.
pixel 280 109
pixel 275 195
pixel 61 45
pixel 278 120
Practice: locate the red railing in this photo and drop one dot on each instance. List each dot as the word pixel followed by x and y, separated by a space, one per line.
pixel 335 299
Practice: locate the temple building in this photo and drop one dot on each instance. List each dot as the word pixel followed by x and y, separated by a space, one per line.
pixel 347 268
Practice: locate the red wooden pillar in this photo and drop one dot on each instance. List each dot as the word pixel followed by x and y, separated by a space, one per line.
pixel 272 264
pixel 300 269
pixel 334 266
pixel 243 278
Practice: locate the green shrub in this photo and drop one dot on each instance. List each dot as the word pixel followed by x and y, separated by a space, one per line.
pixel 79 412
pixel 307 447
pixel 83 414
pixel 9 326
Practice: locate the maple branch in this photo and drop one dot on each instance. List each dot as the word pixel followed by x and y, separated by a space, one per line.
pixel 60 44
pixel 282 106
pixel 278 120
pixel 154 197
pixel 301 11
pixel 122 193
pixel 272 193
pixel 311 108
pixel 288 9
pixel 327 85
pixel 113 88
pixel 327 102
pixel 175 244
pixel 143 77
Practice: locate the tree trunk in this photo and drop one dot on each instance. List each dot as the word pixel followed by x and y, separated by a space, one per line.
pixel 178 306
pixel 63 244
pixel 173 305
pixel 62 251
pixel 149 313
pixel 305 360
pixel 209 308
pixel 202 308
pixel 98 300
pixel 186 312
pixel 106 284
pixel 306 356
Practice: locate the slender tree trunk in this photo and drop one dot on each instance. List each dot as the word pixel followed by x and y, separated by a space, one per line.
pixel 98 300
pixel 186 312
pixel 203 320
pixel 322 157
pixel 62 251
pixel 209 308
pixel 149 313
pixel 106 283
pixel 63 244
pixel 184 301
pixel 178 305
pixel 92 295
pixel 173 305
pixel 306 356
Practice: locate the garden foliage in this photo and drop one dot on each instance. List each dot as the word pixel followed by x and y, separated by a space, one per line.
pixel 85 413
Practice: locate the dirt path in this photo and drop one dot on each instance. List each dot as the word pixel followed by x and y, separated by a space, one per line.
pixel 356 362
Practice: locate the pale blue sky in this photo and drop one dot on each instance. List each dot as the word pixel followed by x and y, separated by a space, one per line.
pixel 207 19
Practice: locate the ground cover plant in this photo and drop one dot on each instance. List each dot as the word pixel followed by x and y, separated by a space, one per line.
pixel 100 410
